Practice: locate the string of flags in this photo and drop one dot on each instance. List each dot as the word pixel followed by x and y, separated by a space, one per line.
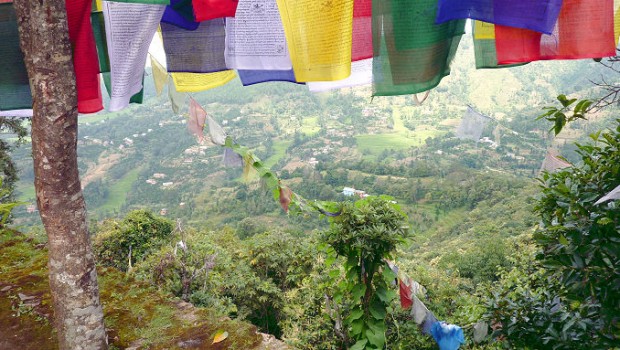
pixel 447 336
pixel 397 46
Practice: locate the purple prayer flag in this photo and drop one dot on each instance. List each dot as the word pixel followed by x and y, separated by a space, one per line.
pixel 195 51
pixel 250 77
pixel 536 15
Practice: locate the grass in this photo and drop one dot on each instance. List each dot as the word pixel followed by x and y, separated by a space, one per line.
pixel 118 191
pixel 279 150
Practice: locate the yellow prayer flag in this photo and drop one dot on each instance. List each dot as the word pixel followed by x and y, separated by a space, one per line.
pixel 98 5
pixel 319 36
pixel 484 30
pixel 160 75
pixel 617 21
pixel 194 82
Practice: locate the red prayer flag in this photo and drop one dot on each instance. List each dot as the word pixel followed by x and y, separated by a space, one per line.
pixel 197 118
pixel 585 29
pixel 285 198
pixel 361 47
pixel 405 295
pixel 85 59
pixel 205 10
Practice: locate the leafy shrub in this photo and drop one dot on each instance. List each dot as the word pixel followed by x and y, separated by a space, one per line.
pixel 140 232
pixel 365 234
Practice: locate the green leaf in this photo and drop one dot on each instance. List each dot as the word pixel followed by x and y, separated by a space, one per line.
pixel 360 345
pixel 357 327
pixel 382 294
pixel 563 240
pixel 378 326
pixel 375 338
pixel 358 290
pixel 355 314
pixel 388 275
pixel 377 310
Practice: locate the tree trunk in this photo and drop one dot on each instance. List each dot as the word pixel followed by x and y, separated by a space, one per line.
pixel 44 39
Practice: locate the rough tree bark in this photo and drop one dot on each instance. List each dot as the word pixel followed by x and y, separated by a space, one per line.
pixel 44 39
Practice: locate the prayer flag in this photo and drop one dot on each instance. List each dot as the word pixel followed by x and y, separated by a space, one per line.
pixel 617 22
pixel 160 76
pixel 361 47
pixel 177 99
pixel 181 14
pixel 405 294
pixel 484 46
pixel 411 53
pixel 153 2
pixel 194 82
pixel 418 310
pixel 537 15
pixel 14 83
pixel 85 61
pixel 210 9
pixel 471 126
pixel 130 28
pixel 319 35
pixel 553 162
pixel 195 51
pixel 98 26
pixel 231 159
pixel 216 132
pixel 361 74
pixel 196 121
pixel 255 38
pixel 250 77
pixel 585 29
pixel 481 330
pixel 447 336
pixel 614 194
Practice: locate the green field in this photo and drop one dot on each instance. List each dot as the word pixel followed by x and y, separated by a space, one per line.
pixel 397 141
pixel 118 191
pixel 279 149
pixel 310 126
pixel 26 191
pixel 96 118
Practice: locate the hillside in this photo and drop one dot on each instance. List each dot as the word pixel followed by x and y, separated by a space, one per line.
pixel 468 201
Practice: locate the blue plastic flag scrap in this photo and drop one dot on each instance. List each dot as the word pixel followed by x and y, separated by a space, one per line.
pixel 447 336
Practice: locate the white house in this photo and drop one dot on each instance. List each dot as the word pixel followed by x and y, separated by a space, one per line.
pixel 348 191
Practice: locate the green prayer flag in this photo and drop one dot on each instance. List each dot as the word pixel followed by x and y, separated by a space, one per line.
pixel 14 84
pixel 411 53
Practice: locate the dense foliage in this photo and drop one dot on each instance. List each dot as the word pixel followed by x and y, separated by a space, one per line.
pixel 563 289
pixel 579 237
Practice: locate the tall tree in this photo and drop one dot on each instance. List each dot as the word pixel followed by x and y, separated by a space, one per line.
pixel 44 39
